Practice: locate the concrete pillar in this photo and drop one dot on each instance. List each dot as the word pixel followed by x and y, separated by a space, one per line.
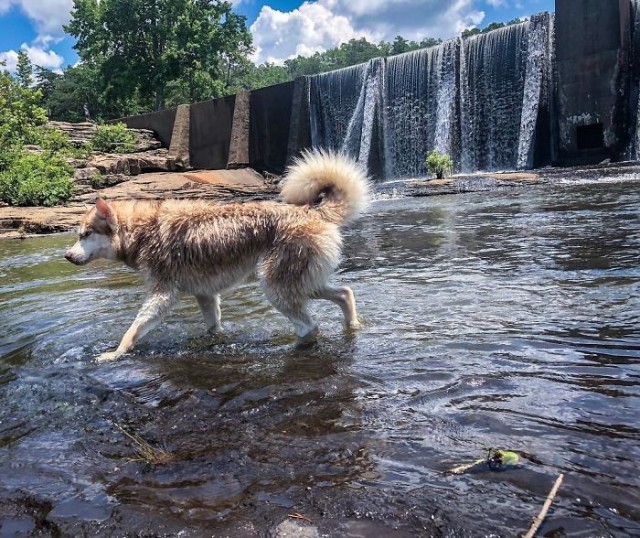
pixel 592 54
pixel 239 144
pixel 179 148
pixel 300 124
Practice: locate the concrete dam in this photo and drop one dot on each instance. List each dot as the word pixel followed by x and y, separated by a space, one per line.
pixel 557 89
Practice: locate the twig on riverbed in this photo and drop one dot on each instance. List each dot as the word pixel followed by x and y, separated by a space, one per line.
pixel 537 521
pixel 146 452
pixel 296 515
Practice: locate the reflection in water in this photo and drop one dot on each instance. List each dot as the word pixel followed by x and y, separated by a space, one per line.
pixel 503 320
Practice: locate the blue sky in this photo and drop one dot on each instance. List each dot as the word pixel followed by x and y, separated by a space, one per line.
pixel 280 28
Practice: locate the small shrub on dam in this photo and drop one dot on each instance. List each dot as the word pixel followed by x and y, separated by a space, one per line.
pixel 439 164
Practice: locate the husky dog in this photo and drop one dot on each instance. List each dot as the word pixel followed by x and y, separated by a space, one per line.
pixel 203 248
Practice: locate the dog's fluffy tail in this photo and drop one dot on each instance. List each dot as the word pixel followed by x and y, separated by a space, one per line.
pixel 333 182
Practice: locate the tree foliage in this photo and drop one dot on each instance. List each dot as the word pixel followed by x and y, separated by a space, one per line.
pixel 28 178
pixel 66 94
pixel 20 111
pixel 493 26
pixel 144 48
pixel 355 51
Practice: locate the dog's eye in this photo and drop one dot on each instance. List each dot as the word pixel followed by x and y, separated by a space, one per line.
pixel 85 234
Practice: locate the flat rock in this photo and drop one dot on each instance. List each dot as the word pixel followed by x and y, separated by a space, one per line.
pixel 132 164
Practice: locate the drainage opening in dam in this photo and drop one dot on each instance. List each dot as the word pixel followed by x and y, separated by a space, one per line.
pixel 590 136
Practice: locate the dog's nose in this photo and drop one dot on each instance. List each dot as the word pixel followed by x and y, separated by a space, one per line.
pixel 67 255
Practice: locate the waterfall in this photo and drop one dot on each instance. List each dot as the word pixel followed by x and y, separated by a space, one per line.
pixel 333 98
pixel 359 137
pixel 420 108
pixel 345 106
pixel 479 99
pixel 504 79
pixel 536 92
pixel 635 76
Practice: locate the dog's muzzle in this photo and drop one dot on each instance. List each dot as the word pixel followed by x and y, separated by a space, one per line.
pixel 69 257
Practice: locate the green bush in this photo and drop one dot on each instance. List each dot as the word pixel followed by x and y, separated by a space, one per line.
pixel 53 140
pixel 439 164
pixel 36 179
pixel 20 111
pixel 113 138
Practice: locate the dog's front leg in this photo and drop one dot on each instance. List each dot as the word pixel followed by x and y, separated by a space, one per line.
pixel 210 307
pixel 156 306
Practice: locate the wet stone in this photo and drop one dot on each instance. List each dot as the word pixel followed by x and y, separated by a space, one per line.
pixel 295 529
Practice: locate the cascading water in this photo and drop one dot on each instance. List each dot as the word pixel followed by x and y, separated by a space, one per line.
pixel 502 75
pixel 420 108
pixel 635 61
pixel 536 95
pixel 479 99
pixel 359 137
pixel 345 108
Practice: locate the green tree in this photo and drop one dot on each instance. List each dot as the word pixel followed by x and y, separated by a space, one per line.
pixel 357 51
pixel 143 47
pixel 65 95
pixel 399 45
pixel 429 42
pixel 493 26
pixel 45 81
pixel 28 178
pixel 250 76
pixel 20 111
pixel 24 69
pixel 305 65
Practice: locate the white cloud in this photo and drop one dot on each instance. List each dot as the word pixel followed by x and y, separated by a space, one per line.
pixel 48 16
pixel 38 56
pixel 497 3
pixel 10 58
pixel 43 58
pixel 308 29
pixel 5 5
pixel 322 24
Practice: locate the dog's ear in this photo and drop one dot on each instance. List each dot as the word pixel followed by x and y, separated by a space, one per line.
pixel 105 212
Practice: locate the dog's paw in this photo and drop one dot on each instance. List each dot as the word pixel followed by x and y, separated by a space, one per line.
pixel 216 330
pixel 353 325
pixel 108 356
pixel 308 339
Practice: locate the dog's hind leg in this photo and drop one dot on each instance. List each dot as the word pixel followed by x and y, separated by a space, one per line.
pixel 344 298
pixel 294 307
pixel 297 313
pixel 156 306
pixel 210 307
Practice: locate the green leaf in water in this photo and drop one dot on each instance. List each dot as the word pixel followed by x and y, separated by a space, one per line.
pixel 497 459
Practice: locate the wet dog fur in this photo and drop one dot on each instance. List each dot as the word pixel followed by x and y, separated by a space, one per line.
pixel 203 248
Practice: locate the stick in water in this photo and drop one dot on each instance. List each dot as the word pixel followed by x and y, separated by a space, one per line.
pixel 537 521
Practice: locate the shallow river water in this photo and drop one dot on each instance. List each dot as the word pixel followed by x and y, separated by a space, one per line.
pixel 508 319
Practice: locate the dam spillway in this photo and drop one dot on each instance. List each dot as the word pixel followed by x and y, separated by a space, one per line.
pixel 480 99
pixel 559 88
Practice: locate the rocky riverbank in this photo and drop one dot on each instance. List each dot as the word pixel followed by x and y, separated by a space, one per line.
pixel 150 172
